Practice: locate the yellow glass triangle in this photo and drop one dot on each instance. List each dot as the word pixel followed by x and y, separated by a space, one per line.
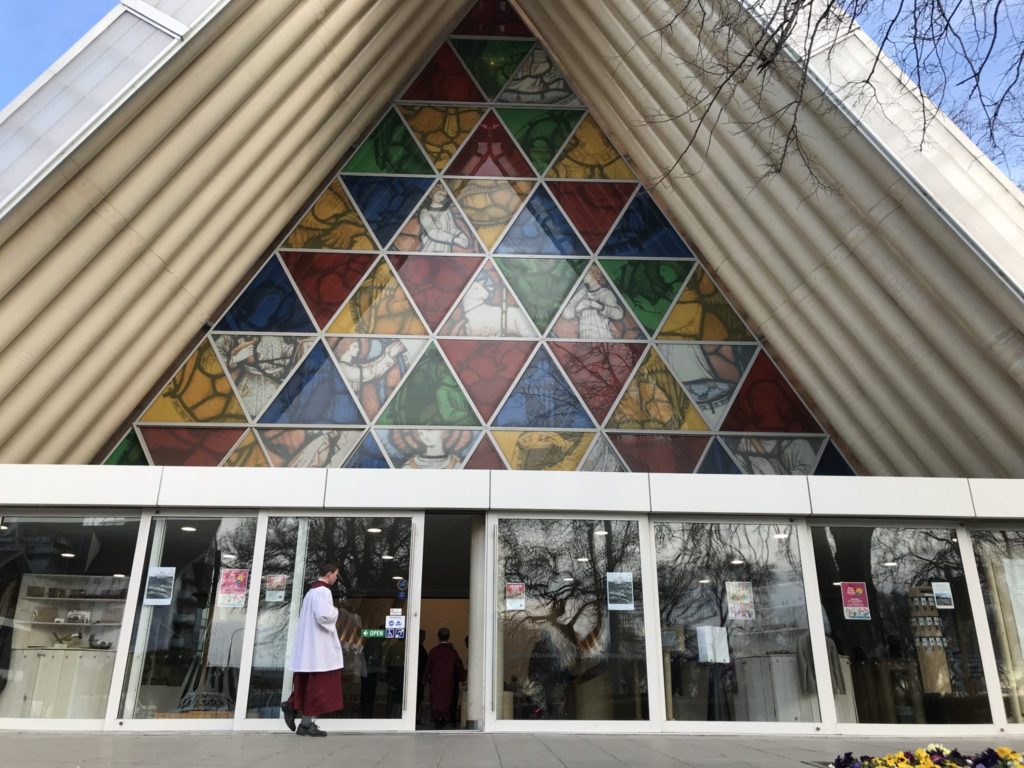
pixel 490 204
pixel 247 453
pixel 703 314
pixel 379 307
pixel 332 223
pixel 199 391
pixel 654 400
pixel 543 450
pixel 589 155
pixel 441 130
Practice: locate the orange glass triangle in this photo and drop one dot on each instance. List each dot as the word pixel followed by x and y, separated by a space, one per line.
pixel 198 392
pixel 332 223
pixel 490 204
pixel 543 450
pixel 441 130
pixel 379 307
pixel 702 313
pixel 653 400
pixel 589 155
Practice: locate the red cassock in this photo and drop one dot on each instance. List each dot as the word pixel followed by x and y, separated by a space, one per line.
pixel 444 673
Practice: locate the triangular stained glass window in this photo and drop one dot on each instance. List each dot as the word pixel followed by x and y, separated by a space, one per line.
pixel 443 79
pixel 189 446
pixel 653 400
pixel 490 204
pixel 332 223
pixel 437 226
pixel 703 314
pixel 717 461
pixel 643 230
pixel 541 450
pixel 542 398
pixel 590 155
pixel 541 284
pixel 766 403
pixel 367 456
pixel 315 394
pixel 374 366
pixel 594 310
pixel 326 279
pixel 268 304
pixel 488 308
pixel 592 208
pixel 198 392
pixel 388 149
pixel 434 282
pixel 248 453
pixel 649 287
pixel 541 229
pixel 379 306
pixel 485 456
pixel 493 17
pixel 312 448
pixel 833 463
pixel 710 373
pixel 538 81
pixel 428 448
pixel 440 129
pixel 259 364
pixel 430 396
pixel 386 201
pixel 487 368
pixel 660 453
pixel 602 458
pixel 540 132
pixel 765 455
pixel 598 370
pixel 490 151
pixel 491 62
pixel 128 452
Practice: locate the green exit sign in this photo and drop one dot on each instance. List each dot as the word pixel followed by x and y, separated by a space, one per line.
pixel 373 633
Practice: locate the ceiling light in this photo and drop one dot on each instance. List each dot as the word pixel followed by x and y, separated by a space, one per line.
pixel 736 561
pixel 3 527
pixel 582 559
pixel 781 536
pixel 120 576
pixel 387 557
pixel 601 533
pixel 705 581
pixel 227 556
pixel 68 555
pixel 373 530
pixel 568 578
pixel 954 538
pixel 188 529
pixel 396 578
pixel 890 564
pixel 837 583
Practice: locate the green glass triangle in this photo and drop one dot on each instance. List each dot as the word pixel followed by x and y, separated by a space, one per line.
pixel 648 286
pixel 389 149
pixel 430 397
pixel 541 284
pixel 540 132
pixel 128 452
pixel 491 62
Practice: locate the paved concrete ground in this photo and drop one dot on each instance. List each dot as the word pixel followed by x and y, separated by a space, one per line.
pixel 434 750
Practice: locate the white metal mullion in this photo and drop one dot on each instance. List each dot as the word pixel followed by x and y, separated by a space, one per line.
pixel 816 626
pixel 144 620
pixel 652 624
pixel 490 635
pixel 251 616
pixel 417 534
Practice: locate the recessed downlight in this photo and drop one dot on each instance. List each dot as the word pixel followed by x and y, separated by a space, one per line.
pixel 568 578
pixel 387 557
pixel 705 581
pixel 396 578
pixel 601 533
pixel 890 564
pixel 68 555
pixel 736 561
pixel 119 576
pixel 373 530
pixel 188 528
pixel 781 536
pixel 3 527
pixel 227 556
pixel 582 559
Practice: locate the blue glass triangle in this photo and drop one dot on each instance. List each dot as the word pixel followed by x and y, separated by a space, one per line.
pixel 833 463
pixel 386 201
pixel 367 456
pixel 643 230
pixel 717 461
pixel 315 394
pixel 540 229
pixel 543 398
pixel 269 303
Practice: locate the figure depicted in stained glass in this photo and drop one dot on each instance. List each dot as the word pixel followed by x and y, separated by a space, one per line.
pixel 769 456
pixel 428 448
pixel 544 450
pixel 488 309
pixel 593 308
pixel 439 229
pixel 654 400
pixel 259 365
pixel 374 367
pixel 309 447
pixel 538 81
pixel 379 306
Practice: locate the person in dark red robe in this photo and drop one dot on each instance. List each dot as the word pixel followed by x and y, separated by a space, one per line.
pixel 444 673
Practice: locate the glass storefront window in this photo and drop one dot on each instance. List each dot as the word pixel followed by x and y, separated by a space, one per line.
pixel 374 559
pixel 1000 555
pixel 900 634
pixel 63 584
pixel 734 636
pixel 187 641
pixel 570 621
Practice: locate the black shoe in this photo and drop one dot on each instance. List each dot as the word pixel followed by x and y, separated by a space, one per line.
pixel 309 730
pixel 289 715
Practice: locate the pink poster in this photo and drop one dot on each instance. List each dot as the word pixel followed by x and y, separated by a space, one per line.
pixel 232 587
pixel 855 600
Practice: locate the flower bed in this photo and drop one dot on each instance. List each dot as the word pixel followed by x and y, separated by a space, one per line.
pixel 934 756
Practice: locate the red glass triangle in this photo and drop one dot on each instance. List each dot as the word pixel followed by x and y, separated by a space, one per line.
pixel 434 282
pixel 325 280
pixel 766 403
pixel 660 453
pixel 591 206
pixel 443 79
pixel 485 456
pixel 189 446
pixel 486 368
pixel 493 17
pixel 598 370
pixel 490 151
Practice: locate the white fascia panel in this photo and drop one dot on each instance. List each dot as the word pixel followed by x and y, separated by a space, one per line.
pixel 570 491
pixel 242 487
pixel 890 497
pixel 998 498
pixel 79 485
pixel 735 494
pixel 407 489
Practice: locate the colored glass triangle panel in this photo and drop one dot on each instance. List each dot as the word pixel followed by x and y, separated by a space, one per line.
pixel 332 223
pixel 493 17
pixel 189 446
pixel 367 455
pixel 538 81
pixel 485 456
pixel 710 373
pixel 428 448
pixel 268 304
pixel 437 226
pixel 540 132
pixel 489 204
pixel 598 370
pixel 430 396
pixel 313 448
pixel 542 284
pixel 488 308
pixel 543 398
pixel 490 151
pixel 766 403
pixel 602 458
pixel 643 230
pixel 248 453
pixel 434 282
pixel 386 201
pixel 198 392
pixel 128 452
pixel 592 208
pixel 259 364
pixel 589 155
pixel 756 455
pixel 653 400
pixel 833 463
pixel 443 79
pixel 487 368
pixel 717 461
pixel 660 453
pixel 649 287
pixel 441 130
pixel 374 366
pixel 315 394
pixel 390 148
pixel 595 311
pixel 541 229
pixel 491 62
pixel 325 280
pixel 379 307
pixel 539 451
pixel 703 314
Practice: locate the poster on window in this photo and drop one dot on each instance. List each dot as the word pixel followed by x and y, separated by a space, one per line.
pixel 943 595
pixel 159 586
pixel 232 587
pixel 712 645
pixel 739 596
pixel 275 585
pixel 855 600
pixel 620 591
pixel 515 596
